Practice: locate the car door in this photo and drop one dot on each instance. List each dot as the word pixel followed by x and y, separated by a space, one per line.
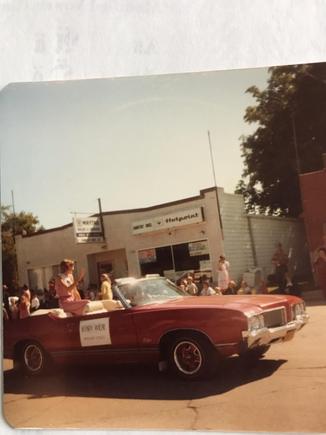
pixel 95 338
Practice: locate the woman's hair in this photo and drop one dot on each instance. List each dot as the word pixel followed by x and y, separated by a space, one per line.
pixel 64 265
pixel 105 276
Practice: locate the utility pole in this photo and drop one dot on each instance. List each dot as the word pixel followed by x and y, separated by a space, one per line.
pixel 14 214
pixel 294 132
pixel 216 194
pixel 101 218
pixel 15 273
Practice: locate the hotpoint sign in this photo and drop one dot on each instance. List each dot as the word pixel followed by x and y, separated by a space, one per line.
pixel 171 220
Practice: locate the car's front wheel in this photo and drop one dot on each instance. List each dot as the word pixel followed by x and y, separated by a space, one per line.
pixel 192 357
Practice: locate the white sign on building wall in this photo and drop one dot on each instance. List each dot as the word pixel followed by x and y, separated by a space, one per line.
pixel 198 248
pixel 147 256
pixel 171 220
pixel 88 230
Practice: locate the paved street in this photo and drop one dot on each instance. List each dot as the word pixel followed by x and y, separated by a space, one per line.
pixel 285 391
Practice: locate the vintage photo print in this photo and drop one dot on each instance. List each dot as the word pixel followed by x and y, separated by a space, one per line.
pixel 163 219
pixel 164 251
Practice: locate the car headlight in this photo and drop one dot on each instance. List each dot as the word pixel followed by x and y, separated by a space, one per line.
pixel 298 309
pixel 256 322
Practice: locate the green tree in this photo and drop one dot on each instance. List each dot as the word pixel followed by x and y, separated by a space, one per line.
pixel 290 138
pixel 12 225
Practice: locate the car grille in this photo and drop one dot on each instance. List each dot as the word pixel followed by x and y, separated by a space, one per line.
pixel 274 318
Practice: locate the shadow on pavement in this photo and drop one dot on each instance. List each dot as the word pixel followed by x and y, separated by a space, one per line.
pixel 137 382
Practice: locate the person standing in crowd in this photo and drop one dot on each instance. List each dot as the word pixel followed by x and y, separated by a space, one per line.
pixel 280 261
pixel 244 289
pixel 13 307
pixel 191 288
pixel 262 287
pixel 24 308
pixel 223 277
pixel 183 285
pixel 5 297
pixel 5 314
pixel 35 302
pixel 105 290
pixel 207 289
pixel 320 269
pixel 26 292
pixel 218 291
pixel 232 288
pixel 51 300
pixel 66 289
pixel 91 295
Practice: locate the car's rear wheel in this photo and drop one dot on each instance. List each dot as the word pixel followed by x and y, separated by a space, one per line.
pixel 192 357
pixel 32 359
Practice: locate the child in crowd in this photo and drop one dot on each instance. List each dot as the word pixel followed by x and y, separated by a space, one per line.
pixel 207 290
pixel 244 289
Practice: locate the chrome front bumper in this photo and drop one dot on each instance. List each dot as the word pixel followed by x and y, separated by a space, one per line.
pixel 266 336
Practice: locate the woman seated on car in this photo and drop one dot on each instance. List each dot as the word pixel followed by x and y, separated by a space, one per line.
pixel 69 297
pixel 66 289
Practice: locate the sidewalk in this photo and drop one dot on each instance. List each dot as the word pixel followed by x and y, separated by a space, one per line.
pixel 312 295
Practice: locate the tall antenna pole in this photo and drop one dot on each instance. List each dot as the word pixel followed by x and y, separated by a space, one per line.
pixel 13 201
pixel 295 143
pixel 15 273
pixel 14 213
pixel 215 185
pixel 101 218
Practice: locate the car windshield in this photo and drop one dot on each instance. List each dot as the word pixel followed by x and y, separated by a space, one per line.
pixel 147 291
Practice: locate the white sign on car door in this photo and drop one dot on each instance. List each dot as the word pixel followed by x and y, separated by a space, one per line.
pixel 95 332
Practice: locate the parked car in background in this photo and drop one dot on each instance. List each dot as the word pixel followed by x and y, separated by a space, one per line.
pixel 152 320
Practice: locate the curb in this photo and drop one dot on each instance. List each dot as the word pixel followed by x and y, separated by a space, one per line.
pixel 312 295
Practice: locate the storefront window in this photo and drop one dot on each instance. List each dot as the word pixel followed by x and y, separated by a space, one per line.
pixel 155 260
pixel 169 259
pixel 40 277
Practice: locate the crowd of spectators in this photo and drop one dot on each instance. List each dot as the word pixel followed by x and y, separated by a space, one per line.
pixel 278 282
pixel 18 304
pixel 21 303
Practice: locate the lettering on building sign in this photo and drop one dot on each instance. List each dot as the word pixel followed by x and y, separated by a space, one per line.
pixel 170 220
pixel 138 227
pixel 181 218
pixel 88 230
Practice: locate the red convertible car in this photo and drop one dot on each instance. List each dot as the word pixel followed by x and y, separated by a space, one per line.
pixel 154 321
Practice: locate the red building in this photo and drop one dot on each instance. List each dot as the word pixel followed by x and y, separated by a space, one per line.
pixel 313 193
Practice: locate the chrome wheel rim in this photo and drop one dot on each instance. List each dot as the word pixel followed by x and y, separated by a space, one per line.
pixel 33 357
pixel 187 357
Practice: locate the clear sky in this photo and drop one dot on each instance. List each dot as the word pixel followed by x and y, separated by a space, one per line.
pixel 133 142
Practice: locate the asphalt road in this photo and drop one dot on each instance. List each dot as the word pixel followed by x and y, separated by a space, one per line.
pixel 285 391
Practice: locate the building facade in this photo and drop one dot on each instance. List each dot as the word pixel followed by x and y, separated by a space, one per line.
pixel 168 239
pixel 313 193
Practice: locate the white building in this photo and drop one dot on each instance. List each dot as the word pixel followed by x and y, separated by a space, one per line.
pixel 167 239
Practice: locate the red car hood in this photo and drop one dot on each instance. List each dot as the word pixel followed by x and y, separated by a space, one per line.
pixel 231 302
